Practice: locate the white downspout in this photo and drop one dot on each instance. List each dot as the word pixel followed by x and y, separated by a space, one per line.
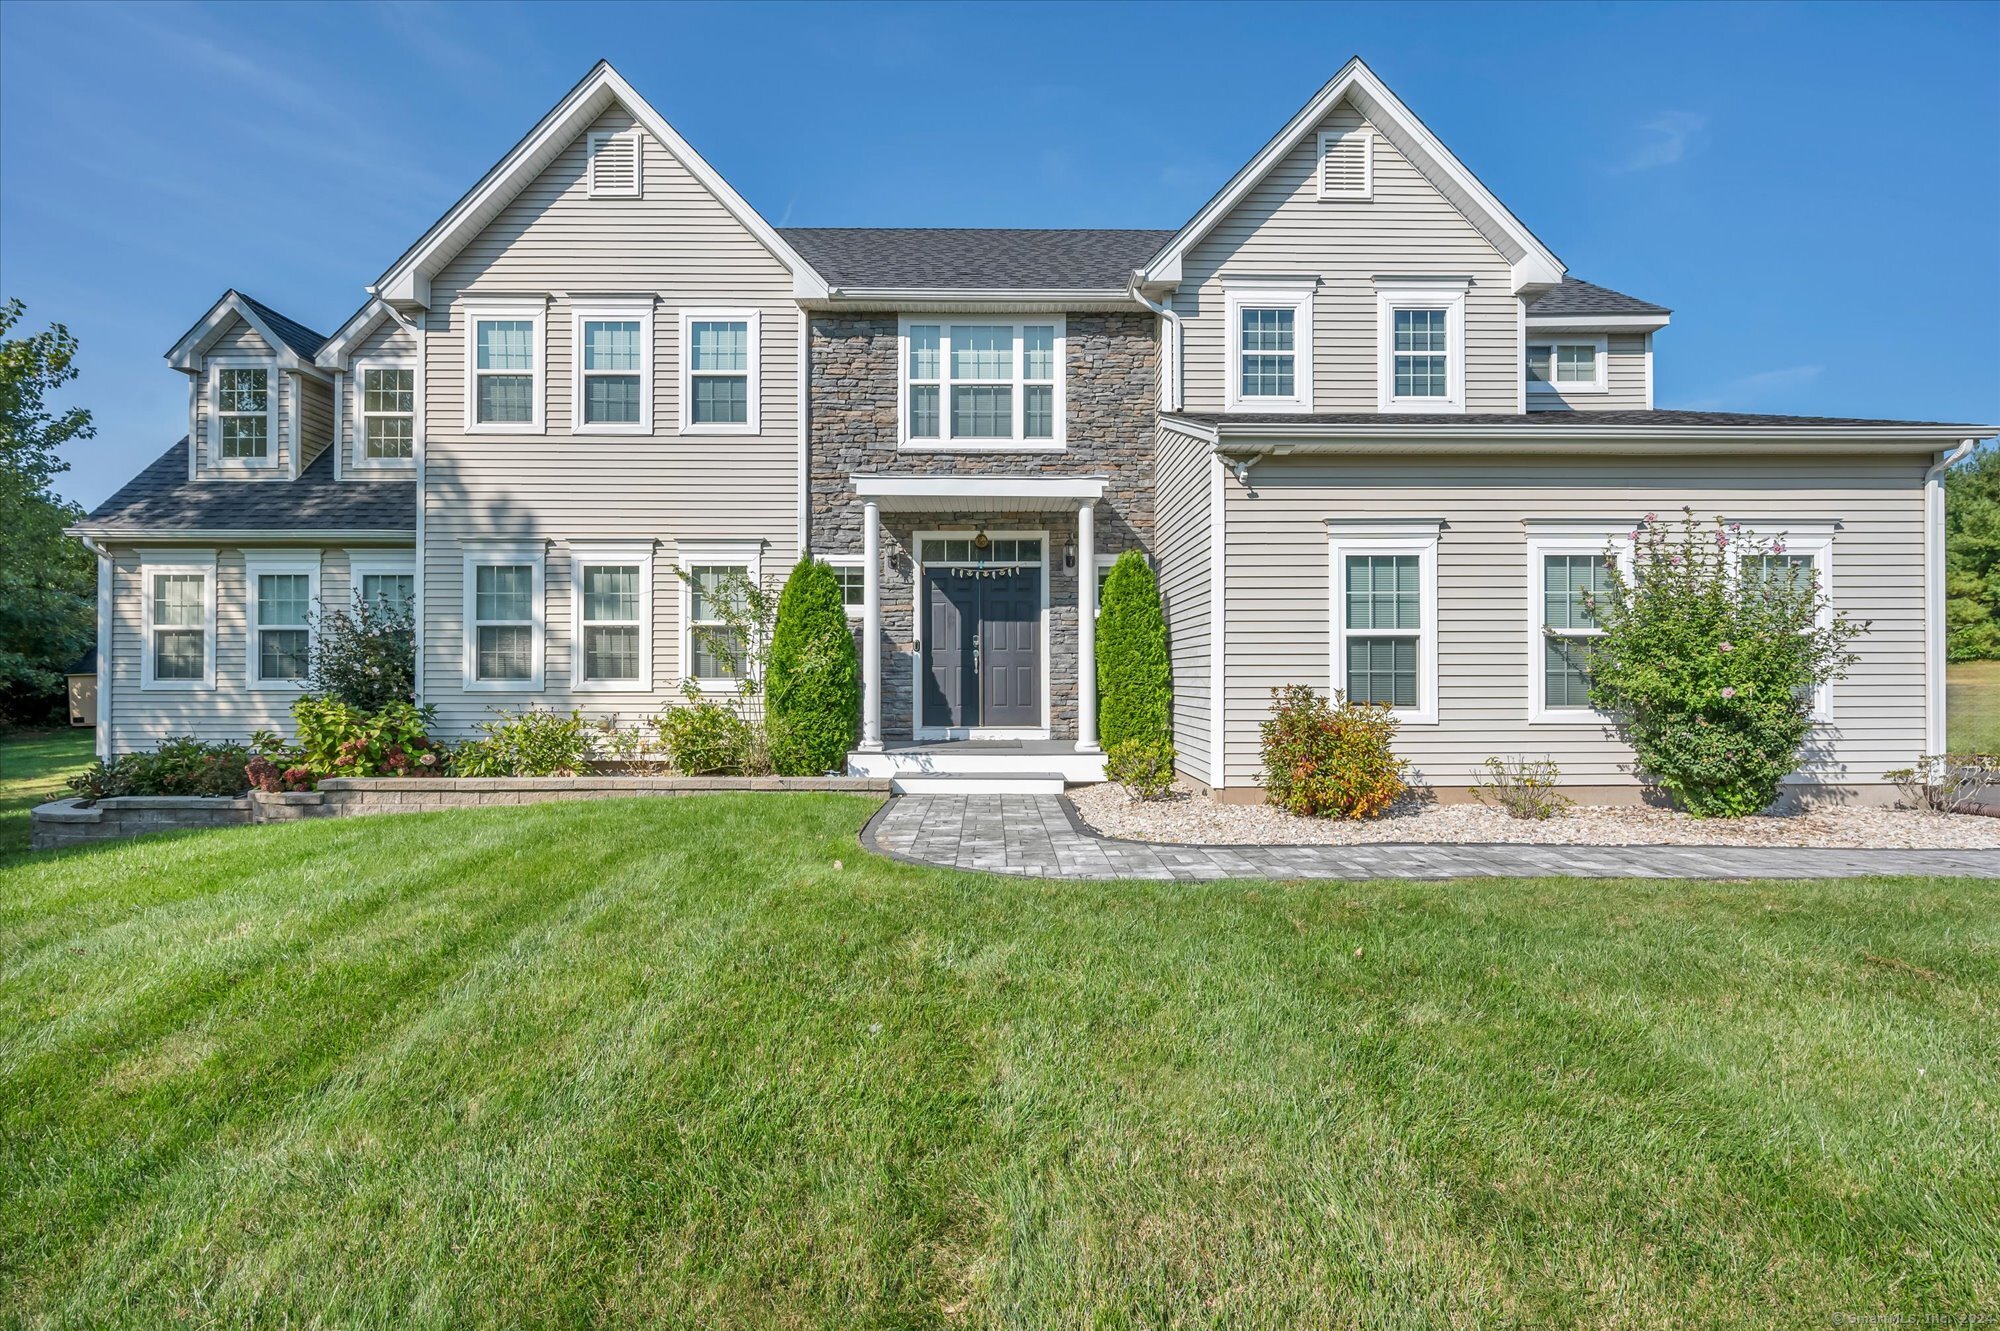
pixel 105 628
pixel 1934 635
pixel 1170 350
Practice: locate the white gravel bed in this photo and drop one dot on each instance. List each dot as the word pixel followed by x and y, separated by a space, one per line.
pixel 1187 818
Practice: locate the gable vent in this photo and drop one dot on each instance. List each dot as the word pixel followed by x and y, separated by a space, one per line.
pixel 614 165
pixel 1347 164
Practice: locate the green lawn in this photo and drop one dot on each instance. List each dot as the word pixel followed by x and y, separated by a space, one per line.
pixel 703 1062
pixel 1972 706
pixel 34 764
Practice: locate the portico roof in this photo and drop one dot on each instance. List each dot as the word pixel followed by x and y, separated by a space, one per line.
pixel 1016 494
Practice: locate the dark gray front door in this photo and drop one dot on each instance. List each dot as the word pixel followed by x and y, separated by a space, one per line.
pixel 982 658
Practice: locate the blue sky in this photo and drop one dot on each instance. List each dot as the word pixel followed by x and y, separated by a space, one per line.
pixel 1813 190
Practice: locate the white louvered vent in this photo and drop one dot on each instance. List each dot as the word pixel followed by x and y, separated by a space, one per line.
pixel 614 165
pixel 1347 164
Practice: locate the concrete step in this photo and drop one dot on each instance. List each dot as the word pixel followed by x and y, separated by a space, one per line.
pixel 975 783
pixel 1040 759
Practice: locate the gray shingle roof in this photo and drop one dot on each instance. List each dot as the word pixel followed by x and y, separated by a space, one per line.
pixel 1557 420
pixel 290 331
pixel 162 499
pixel 1571 296
pixel 975 258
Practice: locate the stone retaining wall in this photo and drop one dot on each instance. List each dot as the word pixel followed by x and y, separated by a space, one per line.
pixel 71 823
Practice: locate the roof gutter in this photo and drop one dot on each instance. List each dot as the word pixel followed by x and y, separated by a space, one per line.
pixel 1170 347
pixel 382 535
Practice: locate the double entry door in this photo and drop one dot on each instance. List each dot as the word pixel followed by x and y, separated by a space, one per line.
pixel 982 651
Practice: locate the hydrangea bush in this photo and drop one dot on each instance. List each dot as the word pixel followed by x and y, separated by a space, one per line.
pixel 1712 647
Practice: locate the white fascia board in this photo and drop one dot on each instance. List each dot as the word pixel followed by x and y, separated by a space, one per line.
pixel 408 281
pixel 339 348
pixel 981 488
pixel 1533 263
pixel 1597 323
pixel 187 353
pixel 211 535
pixel 1260 441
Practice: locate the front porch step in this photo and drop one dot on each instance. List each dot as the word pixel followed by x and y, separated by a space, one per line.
pixel 995 783
pixel 1013 761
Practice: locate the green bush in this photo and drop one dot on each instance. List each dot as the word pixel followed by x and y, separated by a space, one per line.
pixel 182 765
pixel 1708 660
pixel 705 737
pixel 365 656
pixel 336 739
pixel 812 691
pixel 1523 787
pixel 1135 688
pixel 1323 760
pixel 530 743
pixel 1146 770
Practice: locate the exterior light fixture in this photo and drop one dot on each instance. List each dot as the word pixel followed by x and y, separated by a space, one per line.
pixel 1069 555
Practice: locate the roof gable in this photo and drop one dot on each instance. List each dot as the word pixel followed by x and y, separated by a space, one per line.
pixel 1534 266
pixel 294 344
pixel 346 339
pixel 407 282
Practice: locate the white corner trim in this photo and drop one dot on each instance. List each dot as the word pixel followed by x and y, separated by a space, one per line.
pixel 1388 536
pixel 256 564
pixel 754 383
pixel 1420 293
pixel 1297 296
pixel 635 309
pixel 169 561
pixel 534 554
pixel 620 554
pixel 1218 623
pixel 471 311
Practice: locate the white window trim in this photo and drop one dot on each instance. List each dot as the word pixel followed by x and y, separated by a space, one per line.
pixel 1296 296
pixel 473 311
pixel 358 376
pixel 747 555
pixel 639 310
pixel 532 554
pixel 1378 536
pixel 273 444
pixel 944 443
pixel 602 554
pixel 1563 537
pixel 257 563
pixel 754 409
pixel 1806 536
pixel 1328 137
pixel 1421 293
pixel 1598 341
pixel 363 563
pixel 200 562
pixel 600 136
pixel 858 563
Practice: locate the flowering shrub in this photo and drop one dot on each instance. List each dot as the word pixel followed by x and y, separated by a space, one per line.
pixel 1330 760
pixel 365 655
pixel 335 739
pixel 1710 652
pixel 530 743
pixel 182 765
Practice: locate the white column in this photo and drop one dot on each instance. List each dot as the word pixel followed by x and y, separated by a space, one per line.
pixel 1086 628
pixel 871 629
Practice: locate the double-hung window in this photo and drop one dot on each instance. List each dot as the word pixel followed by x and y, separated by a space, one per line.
pixel 980 385
pixel 179 613
pixel 1270 347
pixel 1567 578
pixel 1384 613
pixel 1803 553
pixel 282 589
pixel 1568 365
pixel 385 410
pixel 719 371
pixel 504 358
pixel 852 574
pixel 384 580
pixel 611 605
pixel 503 618
pixel 244 410
pixel 1421 348
pixel 613 388
pixel 715 579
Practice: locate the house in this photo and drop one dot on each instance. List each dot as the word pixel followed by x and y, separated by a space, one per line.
pixel 1370 432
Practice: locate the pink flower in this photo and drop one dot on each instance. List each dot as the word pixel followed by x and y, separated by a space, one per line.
pixel 1652 517
pixel 1728 693
pixel 1726 646
pixel 1777 547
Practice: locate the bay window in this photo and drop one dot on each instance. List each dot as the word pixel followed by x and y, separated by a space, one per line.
pixel 980 384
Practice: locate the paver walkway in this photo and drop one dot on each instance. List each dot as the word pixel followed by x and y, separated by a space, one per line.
pixel 1039 836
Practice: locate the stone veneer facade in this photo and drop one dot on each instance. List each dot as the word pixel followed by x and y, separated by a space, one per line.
pixel 1110 389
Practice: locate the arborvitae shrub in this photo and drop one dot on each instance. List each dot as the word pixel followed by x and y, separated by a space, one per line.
pixel 812 695
pixel 1135 687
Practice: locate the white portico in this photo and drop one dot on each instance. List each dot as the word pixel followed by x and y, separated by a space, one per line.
pixel 985 562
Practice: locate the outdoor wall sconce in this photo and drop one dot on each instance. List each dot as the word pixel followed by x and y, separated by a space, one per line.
pixel 1069 555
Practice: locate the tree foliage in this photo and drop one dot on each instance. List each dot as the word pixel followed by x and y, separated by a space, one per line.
pixel 1972 557
pixel 1135 687
pixel 812 697
pixel 47 579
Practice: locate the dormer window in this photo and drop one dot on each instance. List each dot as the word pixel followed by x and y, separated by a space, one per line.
pixel 243 412
pixel 1573 365
pixel 388 412
pixel 614 164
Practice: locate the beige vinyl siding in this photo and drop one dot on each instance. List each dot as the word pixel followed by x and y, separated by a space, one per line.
pixel 315 418
pixel 240 339
pixel 1625 379
pixel 1182 465
pixel 389 341
pixel 1279 625
pixel 232 710
pixel 1283 229
pixel 675 242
